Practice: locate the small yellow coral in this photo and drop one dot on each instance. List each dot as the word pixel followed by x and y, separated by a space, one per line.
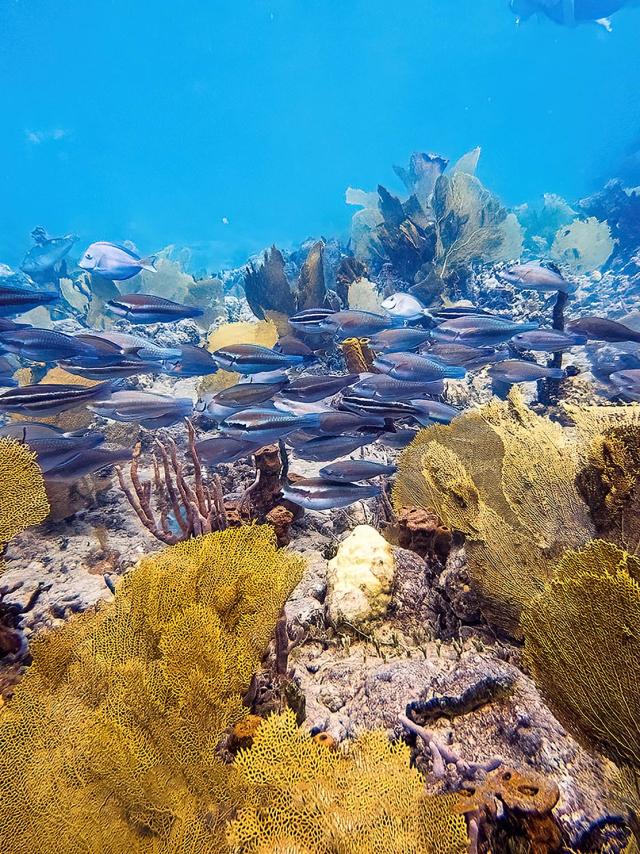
pixel 23 500
pixel 302 797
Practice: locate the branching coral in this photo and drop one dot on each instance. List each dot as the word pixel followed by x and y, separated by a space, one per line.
pixel 110 743
pixel 185 509
pixel 298 792
pixel 505 478
pixel 23 500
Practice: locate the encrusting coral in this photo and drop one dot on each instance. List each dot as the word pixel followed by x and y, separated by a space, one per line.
pixel 504 477
pixel 582 645
pixel 301 795
pixel 110 743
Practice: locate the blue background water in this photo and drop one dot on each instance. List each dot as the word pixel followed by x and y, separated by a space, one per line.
pixel 153 121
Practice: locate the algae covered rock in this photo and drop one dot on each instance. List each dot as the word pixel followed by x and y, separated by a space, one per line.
pixel 360 579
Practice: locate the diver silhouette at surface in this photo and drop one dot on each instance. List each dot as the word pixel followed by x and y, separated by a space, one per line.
pixel 569 13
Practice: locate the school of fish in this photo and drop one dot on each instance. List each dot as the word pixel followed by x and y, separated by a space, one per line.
pixel 320 417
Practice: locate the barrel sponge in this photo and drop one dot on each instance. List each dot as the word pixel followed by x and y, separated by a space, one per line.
pixel 364 799
pixel 23 500
pixel 110 742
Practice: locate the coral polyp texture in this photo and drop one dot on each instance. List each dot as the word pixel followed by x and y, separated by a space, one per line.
pixel 110 743
pixel 301 796
pixel 582 644
pixel 505 477
pixel 23 500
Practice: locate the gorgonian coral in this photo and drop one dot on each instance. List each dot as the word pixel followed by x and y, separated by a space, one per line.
pixel 582 646
pixel 23 500
pixel 110 742
pixel 303 796
pixel 505 477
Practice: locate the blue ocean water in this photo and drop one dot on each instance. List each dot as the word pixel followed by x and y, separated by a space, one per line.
pixel 225 126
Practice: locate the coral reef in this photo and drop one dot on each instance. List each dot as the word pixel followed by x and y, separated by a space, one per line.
pixel 582 643
pixel 23 499
pixel 125 707
pixel 583 246
pixel 303 796
pixel 504 477
pixel 360 579
pixel 184 510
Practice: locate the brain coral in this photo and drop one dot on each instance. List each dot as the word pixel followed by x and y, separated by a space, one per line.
pixel 23 500
pixel 110 741
pixel 301 796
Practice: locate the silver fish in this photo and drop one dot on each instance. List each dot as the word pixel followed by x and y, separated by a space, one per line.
pixel 535 277
pixel 224 449
pixel 464 356
pixel 398 439
pixel 520 371
pixel 288 345
pixel 479 330
pixel 603 329
pixel 399 340
pixel 357 324
pixel 355 470
pixel 47 399
pixel 44 345
pixel 144 407
pixel 47 252
pixel 113 261
pixel 252 359
pixel 148 308
pixel 87 462
pixel 319 494
pixel 192 362
pixel 384 387
pixel 312 388
pixel 19 293
pixel 265 425
pixel 243 395
pixel 627 383
pixel 26 430
pixel 404 306
pixel 324 448
pixel 310 320
pixel 334 423
pixel 416 368
pixel 122 366
pixel 112 342
pixel 423 411
pixel 548 340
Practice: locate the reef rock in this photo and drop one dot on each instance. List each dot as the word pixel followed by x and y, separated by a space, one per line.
pixel 360 579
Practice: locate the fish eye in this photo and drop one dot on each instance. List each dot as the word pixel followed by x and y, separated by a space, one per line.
pixel 88 257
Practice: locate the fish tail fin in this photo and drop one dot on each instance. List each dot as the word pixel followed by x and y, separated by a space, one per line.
pixel 528 327
pixel 149 264
pixel 454 373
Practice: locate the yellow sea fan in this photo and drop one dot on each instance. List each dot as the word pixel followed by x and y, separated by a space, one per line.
pixel 582 644
pixel 362 800
pixel 23 500
pixel 110 742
